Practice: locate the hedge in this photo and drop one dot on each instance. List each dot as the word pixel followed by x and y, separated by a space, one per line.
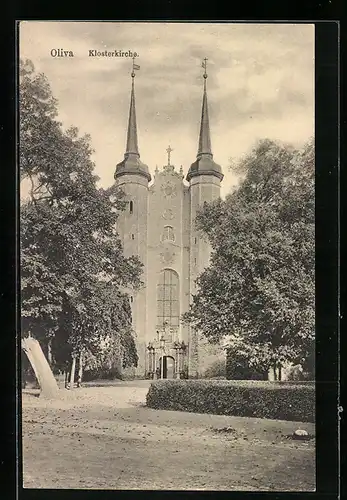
pixel 246 398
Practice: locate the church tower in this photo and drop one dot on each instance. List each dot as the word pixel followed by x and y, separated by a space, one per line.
pixel 204 177
pixel 133 177
pixel 158 226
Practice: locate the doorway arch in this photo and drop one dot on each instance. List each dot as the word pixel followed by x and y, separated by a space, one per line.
pixel 168 367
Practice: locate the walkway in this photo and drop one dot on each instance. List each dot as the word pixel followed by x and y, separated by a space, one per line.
pixel 105 438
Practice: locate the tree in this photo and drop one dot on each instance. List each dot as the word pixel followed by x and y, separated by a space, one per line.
pixel 43 373
pixel 74 275
pixel 258 292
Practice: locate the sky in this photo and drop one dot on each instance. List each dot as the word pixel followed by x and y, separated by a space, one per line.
pixel 260 85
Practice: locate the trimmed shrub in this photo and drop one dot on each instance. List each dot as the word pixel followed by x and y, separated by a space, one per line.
pixel 260 399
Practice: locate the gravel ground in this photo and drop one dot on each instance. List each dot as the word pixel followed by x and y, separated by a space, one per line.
pixel 106 438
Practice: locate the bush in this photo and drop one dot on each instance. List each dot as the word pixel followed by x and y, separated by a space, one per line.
pixel 216 370
pixel 261 399
pixel 296 373
pixel 238 368
pixel 105 373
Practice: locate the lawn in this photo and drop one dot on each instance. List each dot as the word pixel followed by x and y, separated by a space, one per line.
pixel 105 438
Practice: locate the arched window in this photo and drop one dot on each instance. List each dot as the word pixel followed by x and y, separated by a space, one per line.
pixel 168 307
pixel 131 207
pixel 168 234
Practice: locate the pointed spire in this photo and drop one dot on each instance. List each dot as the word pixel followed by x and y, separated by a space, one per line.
pixel 204 136
pixel 204 164
pixel 132 145
pixel 132 163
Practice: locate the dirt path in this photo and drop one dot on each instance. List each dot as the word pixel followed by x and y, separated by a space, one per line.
pixel 104 438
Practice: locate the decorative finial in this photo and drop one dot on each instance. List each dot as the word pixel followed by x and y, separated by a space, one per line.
pixel 169 151
pixel 204 65
pixel 181 170
pixel 135 67
pixel 156 169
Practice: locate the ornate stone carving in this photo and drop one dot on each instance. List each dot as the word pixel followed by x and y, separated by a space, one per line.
pixel 169 190
pixel 168 214
pixel 167 256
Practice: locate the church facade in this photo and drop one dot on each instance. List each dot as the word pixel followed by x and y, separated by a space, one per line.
pixel 158 226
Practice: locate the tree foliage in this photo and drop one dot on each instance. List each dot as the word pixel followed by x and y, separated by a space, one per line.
pixel 258 292
pixel 74 276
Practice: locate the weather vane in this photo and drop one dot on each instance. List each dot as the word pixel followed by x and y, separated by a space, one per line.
pixel 169 151
pixel 135 67
pixel 204 65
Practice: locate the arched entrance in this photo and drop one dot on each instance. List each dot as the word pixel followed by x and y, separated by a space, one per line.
pixel 168 366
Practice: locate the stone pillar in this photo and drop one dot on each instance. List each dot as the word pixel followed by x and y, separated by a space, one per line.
pixel 178 365
pixel 154 363
pixel 148 355
pixel 193 355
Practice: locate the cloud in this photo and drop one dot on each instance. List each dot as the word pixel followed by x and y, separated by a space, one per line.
pixel 260 84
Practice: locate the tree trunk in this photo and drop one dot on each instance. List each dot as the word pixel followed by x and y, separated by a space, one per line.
pixel 80 370
pixel 279 371
pixel 48 384
pixel 73 369
pixel 49 351
pixel 66 375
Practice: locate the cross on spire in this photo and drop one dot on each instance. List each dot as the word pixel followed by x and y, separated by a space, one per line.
pixel 169 151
